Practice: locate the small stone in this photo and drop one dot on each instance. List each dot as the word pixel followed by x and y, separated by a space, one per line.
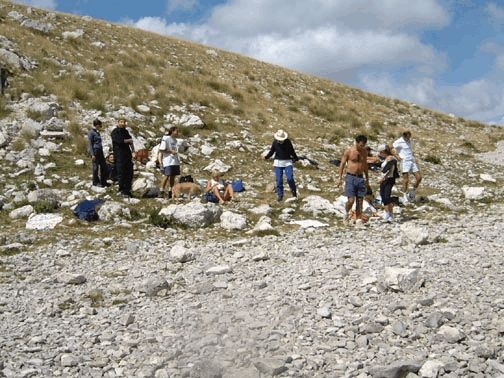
pixel 270 366
pixel 430 369
pixel 399 328
pixel 68 360
pixel 127 319
pixel 451 335
pixel 221 269
pixel 71 279
pixel 324 312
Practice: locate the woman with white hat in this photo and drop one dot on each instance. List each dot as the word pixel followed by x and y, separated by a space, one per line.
pixel 285 156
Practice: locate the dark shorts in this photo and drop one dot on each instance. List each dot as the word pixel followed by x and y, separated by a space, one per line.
pixel 171 170
pixel 386 190
pixel 355 186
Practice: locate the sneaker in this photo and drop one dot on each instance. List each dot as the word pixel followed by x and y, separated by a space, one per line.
pixel 405 198
pixel 412 195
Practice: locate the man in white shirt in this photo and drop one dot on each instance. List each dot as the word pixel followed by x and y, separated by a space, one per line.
pixel 404 153
pixel 171 161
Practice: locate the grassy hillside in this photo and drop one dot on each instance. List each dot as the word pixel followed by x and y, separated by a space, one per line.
pixel 105 67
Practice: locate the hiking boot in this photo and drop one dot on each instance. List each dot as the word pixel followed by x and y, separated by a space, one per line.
pixel 405 198
pixel 279 198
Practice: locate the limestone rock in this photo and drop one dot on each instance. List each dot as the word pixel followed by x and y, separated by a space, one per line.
pixel 402 279
pixel 194 214
pixel 22 212
pixel 416 234
pixel 43 221
pixel 473 192
pixel 179 253
pixel 233 221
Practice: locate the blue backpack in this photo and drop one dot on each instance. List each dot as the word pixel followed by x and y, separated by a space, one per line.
pixel 238 185
pixel 86 210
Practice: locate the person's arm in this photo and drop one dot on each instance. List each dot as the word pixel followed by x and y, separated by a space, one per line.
pixel 292 152
pixel 366 171
pixel 91 143
pixel 271 152
pixel 342 166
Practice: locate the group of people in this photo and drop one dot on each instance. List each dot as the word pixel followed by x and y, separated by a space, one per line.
pixel 354 164
pixel 355 161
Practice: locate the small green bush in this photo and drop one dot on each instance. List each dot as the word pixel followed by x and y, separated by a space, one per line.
pixel 158 220
pixel 432 159
pixel 45 206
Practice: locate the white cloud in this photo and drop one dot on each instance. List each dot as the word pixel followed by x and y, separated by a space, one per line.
pixel 361 42
pixel 45 4
pixel 481 99
pixel 184 5
pixel 495 12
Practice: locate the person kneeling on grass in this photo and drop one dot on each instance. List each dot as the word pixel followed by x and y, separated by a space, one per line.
pixel 218 190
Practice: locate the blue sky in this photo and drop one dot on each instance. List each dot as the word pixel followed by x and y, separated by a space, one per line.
pixel 444 54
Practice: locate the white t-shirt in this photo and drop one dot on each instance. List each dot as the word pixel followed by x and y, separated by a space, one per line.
pixel 169 143
pixel 404 149
pixel 282 163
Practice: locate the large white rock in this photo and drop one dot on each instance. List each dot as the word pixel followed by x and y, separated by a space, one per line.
pixel 179 253
pixel 263 225
pixel 318 205
pixel 43 221
pixel 113 210
pixel 233 221
pixel 488 178
pixel 194 214
pixel 401 279
pixel 262 210
pixel 416 234
pixel 72 35
pixel 473 192
pixel 309 223
pixel 22 212
pixel 139 184
pixel 217 165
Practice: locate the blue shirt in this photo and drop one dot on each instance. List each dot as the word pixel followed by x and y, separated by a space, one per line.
pixel 95 141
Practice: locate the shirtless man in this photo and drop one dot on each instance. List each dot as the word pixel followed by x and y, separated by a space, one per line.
pixel 356 179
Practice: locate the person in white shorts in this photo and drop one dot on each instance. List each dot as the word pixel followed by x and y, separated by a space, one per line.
pixel 404 153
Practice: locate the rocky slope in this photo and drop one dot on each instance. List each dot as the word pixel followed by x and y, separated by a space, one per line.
pixel 253 288
pixel 412 297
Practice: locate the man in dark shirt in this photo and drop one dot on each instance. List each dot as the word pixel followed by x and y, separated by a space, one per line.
pixel 100 172
pixel 285 156
pixel 122 144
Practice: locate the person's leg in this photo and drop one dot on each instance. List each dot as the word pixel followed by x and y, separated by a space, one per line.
pixel 129 177
pixel 418 179
pixel 358 207
pixel 289 173
pixel 96 166
pixel 164 181
pixel 218 194
pixel 228 193
pixel 171 180
pixel 279 182
pixel 405 181
pixel 103 168
pixel 348 206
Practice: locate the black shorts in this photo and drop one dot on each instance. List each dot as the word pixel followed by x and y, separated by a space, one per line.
pixel 171 170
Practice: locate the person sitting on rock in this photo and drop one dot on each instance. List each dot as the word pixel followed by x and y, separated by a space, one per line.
pixel 219 190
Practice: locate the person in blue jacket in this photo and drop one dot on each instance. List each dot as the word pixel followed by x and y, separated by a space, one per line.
pixel 100 171
pixel 285 157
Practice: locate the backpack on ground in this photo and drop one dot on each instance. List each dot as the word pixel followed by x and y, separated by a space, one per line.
pixel 187 178
pixel 238 185
pixel 86 210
